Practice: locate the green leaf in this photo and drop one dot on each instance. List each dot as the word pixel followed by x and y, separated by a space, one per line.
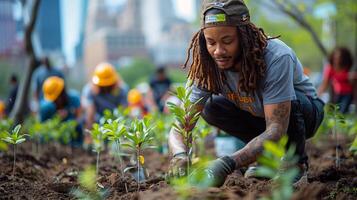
pixel 274 149
pixel 129 146
pixel 273 164
pixel 21 140
pixel 353 147
pixel 265 172
pixel 181 93
pixel 8 140
pixel 17 129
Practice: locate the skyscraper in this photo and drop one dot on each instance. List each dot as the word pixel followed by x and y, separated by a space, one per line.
pixel 110 37
pixel 83 16
pixel 48 26
pixel 7 27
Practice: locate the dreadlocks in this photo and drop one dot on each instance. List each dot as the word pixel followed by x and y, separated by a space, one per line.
pixel 204 72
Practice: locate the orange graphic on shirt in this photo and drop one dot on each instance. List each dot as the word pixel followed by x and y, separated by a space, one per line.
pixel 242 101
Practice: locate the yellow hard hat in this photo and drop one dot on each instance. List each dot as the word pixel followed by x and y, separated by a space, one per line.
pixel 134 96
pixel 104 75
pixel 2 107
pixel 52 88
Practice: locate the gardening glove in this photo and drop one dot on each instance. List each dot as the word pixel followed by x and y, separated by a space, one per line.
pixel 215 174
pixel 178 166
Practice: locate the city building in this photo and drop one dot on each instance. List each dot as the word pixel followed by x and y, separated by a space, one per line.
pixel 48 26
pixel 8 26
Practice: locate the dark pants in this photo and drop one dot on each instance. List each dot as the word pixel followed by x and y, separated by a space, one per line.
pixel 305 117
pixel 343 101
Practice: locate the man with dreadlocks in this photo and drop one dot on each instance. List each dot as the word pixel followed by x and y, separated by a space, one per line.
pixel 249 85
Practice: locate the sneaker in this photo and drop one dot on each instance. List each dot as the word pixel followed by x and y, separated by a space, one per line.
pixel 251 172
pixel 301 177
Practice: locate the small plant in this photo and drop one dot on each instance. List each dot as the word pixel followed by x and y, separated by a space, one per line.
pixel 98 136
pixel 201 132
pixel 14 138
pixel 162 128
pixel 140 137
pixel 186 116
pixel 67 132
pixel 337 119
pixel 115 131
pixel 197 179
pixel 117 113
pixel 88 181
pixel 38 132
pixel 279 165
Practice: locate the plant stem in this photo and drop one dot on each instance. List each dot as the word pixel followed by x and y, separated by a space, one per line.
pixel 337 161
pixel 138 163
pixel 97 164
pixel 13 168
pixel 37 149
pixel 188 154
pixel 119 157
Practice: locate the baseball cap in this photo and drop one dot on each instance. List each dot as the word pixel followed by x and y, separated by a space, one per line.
pixel 232 13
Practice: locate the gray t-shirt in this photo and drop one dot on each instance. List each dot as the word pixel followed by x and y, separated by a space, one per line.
pixel 284 75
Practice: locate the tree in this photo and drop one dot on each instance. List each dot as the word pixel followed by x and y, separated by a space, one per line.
pixel 296 12
pixel 22 95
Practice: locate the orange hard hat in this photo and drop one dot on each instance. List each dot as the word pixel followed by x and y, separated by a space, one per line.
pixel 104 75
pixel 2 107
pixel 134 97
pixel 52 88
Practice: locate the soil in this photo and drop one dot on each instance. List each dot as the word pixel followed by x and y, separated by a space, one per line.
pixel 54 173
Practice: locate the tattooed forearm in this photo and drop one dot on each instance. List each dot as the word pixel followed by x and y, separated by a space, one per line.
pixel 277 120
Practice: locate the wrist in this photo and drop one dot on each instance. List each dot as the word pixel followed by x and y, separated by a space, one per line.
pixel 230 162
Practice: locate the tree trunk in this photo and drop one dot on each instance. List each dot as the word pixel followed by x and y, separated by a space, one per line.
pixel 18 113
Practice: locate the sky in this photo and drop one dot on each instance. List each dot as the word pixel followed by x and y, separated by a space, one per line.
pixel 184 8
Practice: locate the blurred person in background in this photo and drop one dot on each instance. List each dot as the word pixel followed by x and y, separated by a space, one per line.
pixel 2 110
pixel 159 88
pixel 137 105
pixel 336 75
pixel 108 92
pixel 59 101
pixel 249 85
pixel 13 93
pixel 39 76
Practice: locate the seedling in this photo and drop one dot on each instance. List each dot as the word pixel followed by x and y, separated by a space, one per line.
pixel 336 119
pixel 279 165
pixel 202 130
pixel 117 113
pixel 14 138
pixel 162 128
pixel 197 179
pixel 87 180
pixel 186 116
pixel 140 137
pixel 37 132
pixel 115 131
pixel 67 132
pixel 98 136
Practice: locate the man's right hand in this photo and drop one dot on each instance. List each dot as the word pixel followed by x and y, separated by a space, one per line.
pixel 178 166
